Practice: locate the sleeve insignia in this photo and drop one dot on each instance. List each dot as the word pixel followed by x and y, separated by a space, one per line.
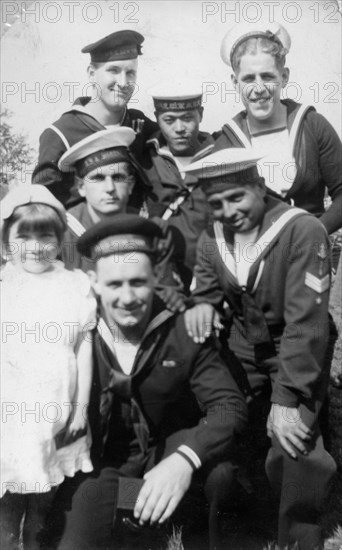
pixel 322 252
pixel 317 284
pixel 322 255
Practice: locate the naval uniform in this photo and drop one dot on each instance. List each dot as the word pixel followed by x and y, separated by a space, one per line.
pixel 79 220
pixel 73 126
pixel 317 153
pixel 178 394
pixel 279 332
pixel 179 201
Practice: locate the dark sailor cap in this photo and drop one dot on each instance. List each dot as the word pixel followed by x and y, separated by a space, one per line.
pixel 117 46
pixel 167 101
pixel 123 233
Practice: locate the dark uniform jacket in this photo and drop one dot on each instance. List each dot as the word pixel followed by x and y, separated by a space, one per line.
pixel 318 156
pixel 73 126
pixel 280 319
pixel 177 389
pixel 166 185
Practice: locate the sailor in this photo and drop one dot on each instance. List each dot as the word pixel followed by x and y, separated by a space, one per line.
pixel 269 263
pixel 175 196
pixel 106 174
pixel 302 153
pixel 113 74
pixel 162 408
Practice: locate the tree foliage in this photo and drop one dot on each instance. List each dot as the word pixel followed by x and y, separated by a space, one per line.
pixel 15 152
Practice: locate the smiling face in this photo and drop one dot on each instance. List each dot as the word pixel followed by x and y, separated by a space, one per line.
pixel 259 82
pixel 32 251
pixel 180 130
pixel 125 282
pixel 114 82
pixel 107 188
pixel 240 208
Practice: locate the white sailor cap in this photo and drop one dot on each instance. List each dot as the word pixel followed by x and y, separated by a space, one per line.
pixel 243 31
pixel 103 147
pixel 226 167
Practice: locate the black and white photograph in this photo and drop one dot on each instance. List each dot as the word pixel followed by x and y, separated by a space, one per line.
pixel 171 275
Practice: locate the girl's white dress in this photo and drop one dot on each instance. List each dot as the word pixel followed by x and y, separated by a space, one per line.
pixel 41 318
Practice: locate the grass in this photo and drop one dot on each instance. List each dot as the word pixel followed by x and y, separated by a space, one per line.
pixel 332 543
pixel 175 539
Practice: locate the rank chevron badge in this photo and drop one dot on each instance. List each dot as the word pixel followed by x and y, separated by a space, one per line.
pixel 317 284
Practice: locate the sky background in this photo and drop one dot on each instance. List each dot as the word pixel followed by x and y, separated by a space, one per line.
pixel 43 69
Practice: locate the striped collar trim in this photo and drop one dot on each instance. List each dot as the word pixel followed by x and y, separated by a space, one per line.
pixel 81 109
pixel 263 243
pixel 74 225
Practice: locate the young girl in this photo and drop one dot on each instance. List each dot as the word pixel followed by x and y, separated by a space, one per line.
pixel 46 314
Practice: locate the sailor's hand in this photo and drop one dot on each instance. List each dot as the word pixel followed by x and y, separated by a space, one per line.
pixel 199 322
pixel 287 426
pixel 164 487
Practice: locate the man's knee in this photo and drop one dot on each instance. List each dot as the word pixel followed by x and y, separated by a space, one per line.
pixel 307 475
pixel 220 481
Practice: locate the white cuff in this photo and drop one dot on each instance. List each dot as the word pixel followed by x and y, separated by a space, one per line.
pixel 192 456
